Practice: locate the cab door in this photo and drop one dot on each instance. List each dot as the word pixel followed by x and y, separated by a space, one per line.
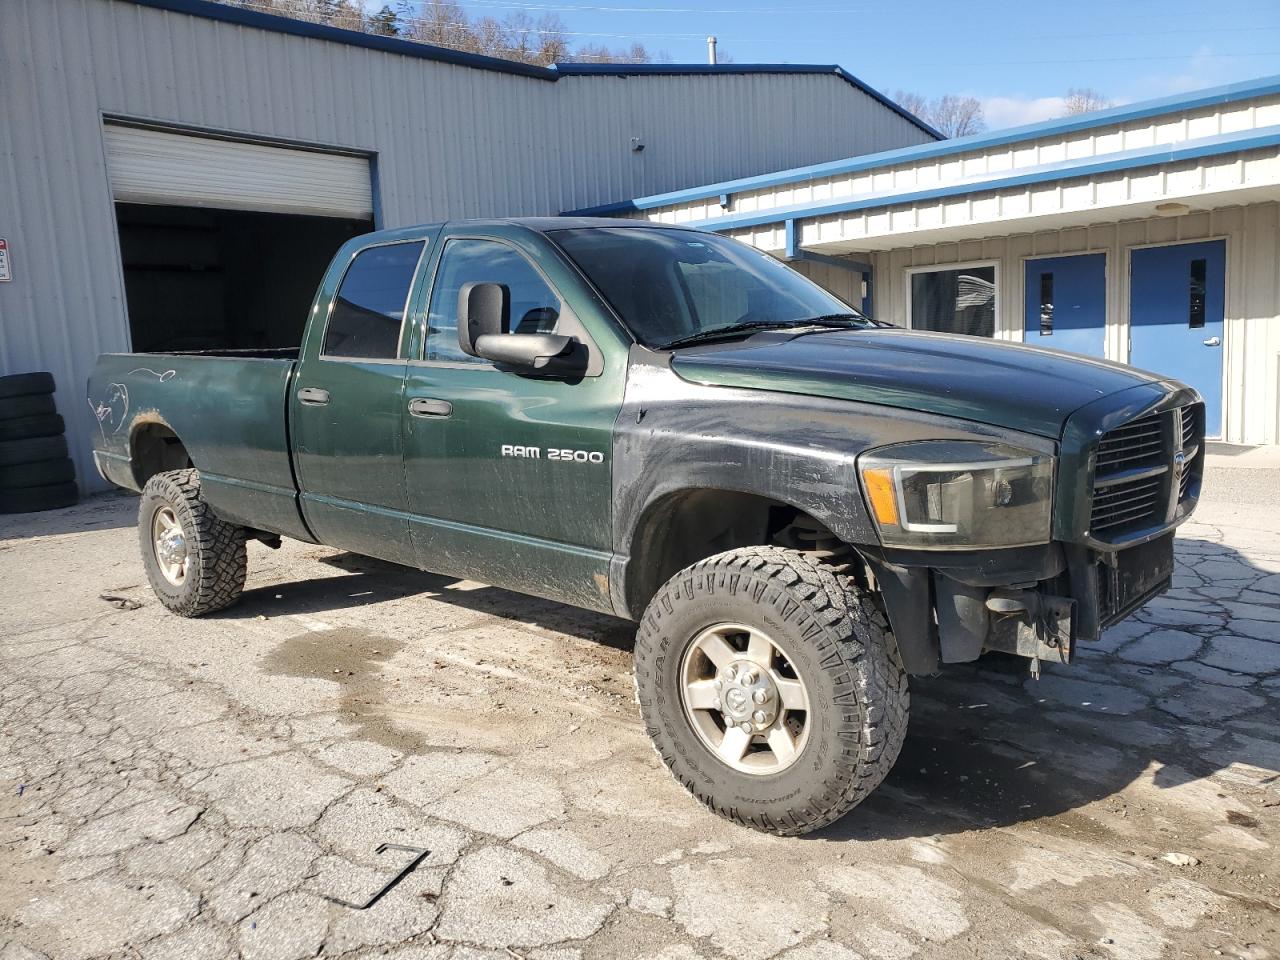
pixel 346 404
pixel 509 473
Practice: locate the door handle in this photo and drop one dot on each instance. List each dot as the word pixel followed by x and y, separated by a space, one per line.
pixel 1212 342
pixel 423 407
pixel 313 396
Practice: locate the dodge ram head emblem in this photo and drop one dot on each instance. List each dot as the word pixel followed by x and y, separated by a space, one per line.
pixel 1179 464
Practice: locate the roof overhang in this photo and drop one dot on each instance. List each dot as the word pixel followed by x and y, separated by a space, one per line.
pixel 1199 174
pixel 1210 149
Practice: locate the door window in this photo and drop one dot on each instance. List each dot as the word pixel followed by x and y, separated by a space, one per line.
pixel 955 301
pixel 1195 313
pixel 368 310
pixel 534 306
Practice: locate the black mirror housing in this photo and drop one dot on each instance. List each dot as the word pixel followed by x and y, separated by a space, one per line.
pixel 547 353
pixel 484 309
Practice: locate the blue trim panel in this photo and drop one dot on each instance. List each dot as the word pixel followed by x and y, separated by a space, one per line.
pixel 1228 93
pixel 711 69
pixel 1128 160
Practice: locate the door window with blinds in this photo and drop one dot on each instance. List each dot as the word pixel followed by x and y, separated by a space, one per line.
pixel 955 300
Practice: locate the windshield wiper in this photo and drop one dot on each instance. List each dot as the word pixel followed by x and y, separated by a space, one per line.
pixel 748 326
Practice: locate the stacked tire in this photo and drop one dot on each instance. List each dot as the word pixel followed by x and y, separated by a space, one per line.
pixel 35 471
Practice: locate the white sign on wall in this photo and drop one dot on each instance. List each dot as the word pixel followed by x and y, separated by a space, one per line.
pixel 4 261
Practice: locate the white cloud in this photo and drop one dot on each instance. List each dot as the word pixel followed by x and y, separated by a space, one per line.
pixel 1001 112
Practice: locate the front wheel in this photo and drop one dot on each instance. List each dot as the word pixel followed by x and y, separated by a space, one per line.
pixel 771 687
pixel 196 562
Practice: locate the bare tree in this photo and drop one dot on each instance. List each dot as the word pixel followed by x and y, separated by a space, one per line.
pixel 951 114
pixel 957 116
pixel 444 23
pixel 1085 100
pixel 912 102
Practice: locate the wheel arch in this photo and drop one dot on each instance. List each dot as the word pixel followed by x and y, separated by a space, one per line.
pixel 683 525
pixel 155 447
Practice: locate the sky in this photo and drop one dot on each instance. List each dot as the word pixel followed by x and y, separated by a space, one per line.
pixel 1018 58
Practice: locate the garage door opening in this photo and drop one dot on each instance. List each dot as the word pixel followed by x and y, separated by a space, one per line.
pixel 222 240
pixel 201 279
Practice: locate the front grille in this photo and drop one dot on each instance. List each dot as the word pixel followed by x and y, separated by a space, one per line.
pixel 1192 439
pixel 1139 466
pixel 1136 444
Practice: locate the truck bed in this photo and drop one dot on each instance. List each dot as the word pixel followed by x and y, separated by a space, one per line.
pixel 229 409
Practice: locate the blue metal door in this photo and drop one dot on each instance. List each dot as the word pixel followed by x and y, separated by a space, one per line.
pixel 1176 302
pixel 1066 303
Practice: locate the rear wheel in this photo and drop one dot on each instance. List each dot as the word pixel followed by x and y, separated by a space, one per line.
pixel 771 688
pixel 196 562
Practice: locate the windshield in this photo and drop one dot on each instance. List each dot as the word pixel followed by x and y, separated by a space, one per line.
pixel 676 285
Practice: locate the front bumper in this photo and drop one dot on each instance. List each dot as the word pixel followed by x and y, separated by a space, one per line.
pixel 1034 602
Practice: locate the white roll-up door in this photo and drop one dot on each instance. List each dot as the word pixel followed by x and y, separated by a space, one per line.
pixel 159 167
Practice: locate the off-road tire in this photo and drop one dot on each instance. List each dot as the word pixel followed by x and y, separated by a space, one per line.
pixel 24 428
pixel 838 642
pixel 38 474
pixel 34 499
pixel 32 450
pixel 37 405
pixel 25 384
pixel 216 550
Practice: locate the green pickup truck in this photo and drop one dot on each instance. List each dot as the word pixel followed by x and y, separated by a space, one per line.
pixel 800 506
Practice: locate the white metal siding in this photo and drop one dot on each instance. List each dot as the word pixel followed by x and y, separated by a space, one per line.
pixel 449 141
pixel 156 166
pixel 1176 127
pixel 1251 372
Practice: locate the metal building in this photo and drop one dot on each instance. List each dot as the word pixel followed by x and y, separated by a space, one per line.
pixel 174 174
pixel 1146 234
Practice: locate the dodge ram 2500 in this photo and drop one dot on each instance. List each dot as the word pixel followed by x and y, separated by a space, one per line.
pixel 801 507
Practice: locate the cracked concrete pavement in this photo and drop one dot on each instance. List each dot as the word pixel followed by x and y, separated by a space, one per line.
pixel 192 789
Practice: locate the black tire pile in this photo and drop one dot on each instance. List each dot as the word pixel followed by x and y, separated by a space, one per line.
pixel 35 471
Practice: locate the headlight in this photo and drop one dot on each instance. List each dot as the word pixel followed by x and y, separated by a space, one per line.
pixel 958 493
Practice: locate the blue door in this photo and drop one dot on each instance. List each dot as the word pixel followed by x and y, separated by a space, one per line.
pixel 1066 303
pixel 1176 301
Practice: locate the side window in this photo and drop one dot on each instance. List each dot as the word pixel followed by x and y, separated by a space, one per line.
pixel 534 307
pixel 370 304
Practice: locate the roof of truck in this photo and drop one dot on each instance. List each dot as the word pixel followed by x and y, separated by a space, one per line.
pixel 543 224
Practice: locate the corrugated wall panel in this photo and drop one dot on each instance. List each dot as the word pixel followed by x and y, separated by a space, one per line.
pixel 449 141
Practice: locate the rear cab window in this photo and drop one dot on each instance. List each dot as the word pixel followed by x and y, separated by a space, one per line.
pixel 369 308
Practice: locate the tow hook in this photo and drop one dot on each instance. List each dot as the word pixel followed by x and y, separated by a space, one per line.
pixel 1032 625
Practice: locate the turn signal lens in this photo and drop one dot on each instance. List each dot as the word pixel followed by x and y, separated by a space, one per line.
pixel 880 492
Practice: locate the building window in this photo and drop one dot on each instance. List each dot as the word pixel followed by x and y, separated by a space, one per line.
pixel 955 300
pixel 1046 304
pixel 1198 271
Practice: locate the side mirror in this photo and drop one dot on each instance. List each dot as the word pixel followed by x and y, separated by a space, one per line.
pixel 484 309
pixel 547 353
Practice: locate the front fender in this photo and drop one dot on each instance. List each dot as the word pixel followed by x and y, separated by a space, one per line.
pixel 673 435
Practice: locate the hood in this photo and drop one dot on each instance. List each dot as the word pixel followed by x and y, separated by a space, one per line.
pixel 1002 384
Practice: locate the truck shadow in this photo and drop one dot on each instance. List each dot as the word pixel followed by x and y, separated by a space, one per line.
pixel 986 746
pixel 367 580
pixel 989 747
